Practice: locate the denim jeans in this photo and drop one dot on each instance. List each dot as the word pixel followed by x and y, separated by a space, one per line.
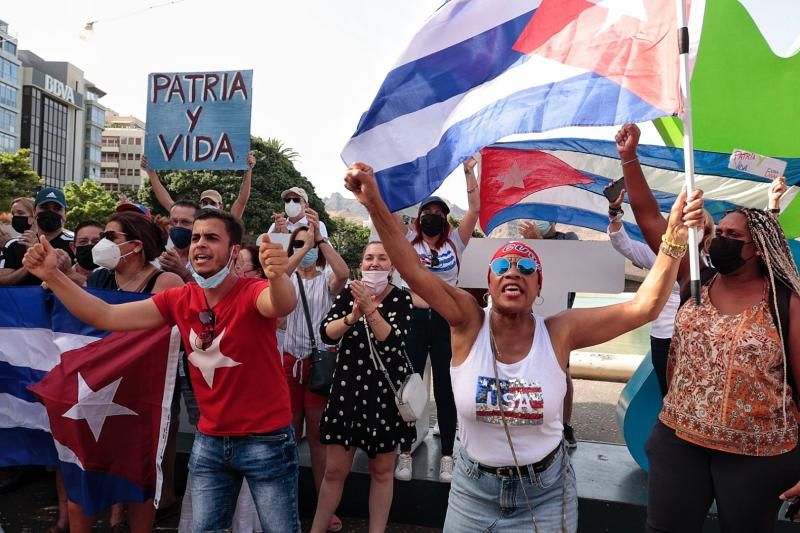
pixel 268 462
pixel 480 501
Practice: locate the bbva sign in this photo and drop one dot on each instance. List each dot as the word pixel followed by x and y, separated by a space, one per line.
pixel 59 89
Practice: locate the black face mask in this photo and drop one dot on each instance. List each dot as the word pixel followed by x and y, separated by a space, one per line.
pixel 83 254
pixel 726 254
pixel 48 221
pixel 431 225
pixel 181 237
pixel 20 223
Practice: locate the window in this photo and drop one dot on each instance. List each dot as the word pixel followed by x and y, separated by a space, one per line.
pixel 10 47
pixel 7 143
pixel 9 71
pixel 8 95
pixel 8 121
pixel 138 141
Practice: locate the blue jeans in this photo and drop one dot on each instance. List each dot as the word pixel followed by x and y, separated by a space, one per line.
pixel 268 462
pixel 480 501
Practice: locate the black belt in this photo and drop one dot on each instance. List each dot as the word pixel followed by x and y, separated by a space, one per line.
pixel 511 471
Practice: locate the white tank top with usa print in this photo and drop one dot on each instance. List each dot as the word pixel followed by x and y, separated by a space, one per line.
pixel 532 392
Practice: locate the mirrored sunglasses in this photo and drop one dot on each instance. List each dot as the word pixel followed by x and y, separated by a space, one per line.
pixel 525 266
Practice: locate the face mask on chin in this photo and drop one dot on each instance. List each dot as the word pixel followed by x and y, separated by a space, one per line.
pixel 215 280
pixel 377 280
pixel 726 254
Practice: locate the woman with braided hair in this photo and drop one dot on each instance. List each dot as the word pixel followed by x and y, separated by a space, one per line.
pixel 728 428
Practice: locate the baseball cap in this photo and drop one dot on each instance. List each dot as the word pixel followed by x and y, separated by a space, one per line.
pixel 51 194
pixel 296 190
pixel 212 195
pixel 434 200
pixel 135 208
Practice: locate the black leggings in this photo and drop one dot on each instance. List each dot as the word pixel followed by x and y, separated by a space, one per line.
pixel 659 350
pixel 685 478
pixel 430 335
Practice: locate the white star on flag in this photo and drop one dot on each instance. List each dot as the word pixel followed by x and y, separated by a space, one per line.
pixel 210 359
pixel 514 179
pixel 96 406
pixel 620 8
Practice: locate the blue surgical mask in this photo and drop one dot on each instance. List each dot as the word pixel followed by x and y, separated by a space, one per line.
pixel 310 258
pixel 215 280
pixel 543 226
pixel 180 237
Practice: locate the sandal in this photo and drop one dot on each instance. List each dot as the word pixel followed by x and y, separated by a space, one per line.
pixel 335 524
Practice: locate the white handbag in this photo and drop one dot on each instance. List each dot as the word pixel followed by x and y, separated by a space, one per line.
pixel 411 398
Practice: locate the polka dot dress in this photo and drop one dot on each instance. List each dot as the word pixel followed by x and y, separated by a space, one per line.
pixel 361 409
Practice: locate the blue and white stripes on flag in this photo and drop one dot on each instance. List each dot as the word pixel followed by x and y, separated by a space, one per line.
pixel 461 85
pixel 583 204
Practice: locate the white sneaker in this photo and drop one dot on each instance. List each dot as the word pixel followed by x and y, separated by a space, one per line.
pixel 404 468
pixel 435 430
pixel 446 469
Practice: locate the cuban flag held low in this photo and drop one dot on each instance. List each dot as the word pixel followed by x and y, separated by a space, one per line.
pixel 480 70
pixel 562 180
pixel 95 404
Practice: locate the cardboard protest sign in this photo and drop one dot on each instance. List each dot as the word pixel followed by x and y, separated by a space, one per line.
pixel 198 120
pixel 758 165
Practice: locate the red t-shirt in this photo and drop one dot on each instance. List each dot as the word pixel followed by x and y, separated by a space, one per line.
pixel 238 379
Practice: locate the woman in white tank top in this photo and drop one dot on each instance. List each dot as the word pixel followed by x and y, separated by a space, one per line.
pixel 508 368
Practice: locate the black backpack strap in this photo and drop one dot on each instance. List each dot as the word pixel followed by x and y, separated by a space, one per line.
pixel 306 311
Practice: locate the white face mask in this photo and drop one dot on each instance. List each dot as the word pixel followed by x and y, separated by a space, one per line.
pixel 377 280
pixel 293 209
pixel 107 254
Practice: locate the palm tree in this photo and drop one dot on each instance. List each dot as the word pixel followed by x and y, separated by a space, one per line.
pixel 285 151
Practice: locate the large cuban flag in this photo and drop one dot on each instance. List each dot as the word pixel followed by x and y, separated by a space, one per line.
pixel 562 180
pixel 480 70
pixel 94 403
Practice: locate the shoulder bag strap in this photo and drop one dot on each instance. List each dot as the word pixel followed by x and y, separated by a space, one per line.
pixel 305 311
pixel 376 359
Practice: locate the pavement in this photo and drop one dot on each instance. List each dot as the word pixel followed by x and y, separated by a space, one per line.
pixel 31 506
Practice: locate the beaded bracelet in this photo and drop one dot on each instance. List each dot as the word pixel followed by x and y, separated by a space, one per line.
pixel 673 249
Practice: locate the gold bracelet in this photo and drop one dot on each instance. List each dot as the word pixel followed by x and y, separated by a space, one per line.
pixel 629 161
pixel 672 249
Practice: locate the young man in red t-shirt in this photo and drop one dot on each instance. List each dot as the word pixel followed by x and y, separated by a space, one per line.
pixel 228 327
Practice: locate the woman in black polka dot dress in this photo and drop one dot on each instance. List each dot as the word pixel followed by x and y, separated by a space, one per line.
pixel 361 410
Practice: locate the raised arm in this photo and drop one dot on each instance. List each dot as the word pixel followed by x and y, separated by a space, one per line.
pixel 41 261
pixel 776 191
pixel 279 298
pixel 579 328
pixel 457 307
pixel 239 205
pixel 470 219
pixel 645 207
pixel 159 190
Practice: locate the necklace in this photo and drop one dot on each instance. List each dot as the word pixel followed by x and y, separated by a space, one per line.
pixel 125 286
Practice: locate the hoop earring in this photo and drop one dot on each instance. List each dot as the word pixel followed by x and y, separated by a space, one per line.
pixel 539 297
pixel 486 298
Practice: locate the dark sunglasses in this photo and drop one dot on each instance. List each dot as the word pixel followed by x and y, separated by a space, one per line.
pixel 206 337
pixel 111 235
pixel 434 259
pixel 297 244
pixel 295 200
pixel 524 266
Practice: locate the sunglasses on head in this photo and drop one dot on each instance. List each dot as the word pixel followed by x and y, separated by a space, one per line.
pixel 111 235
pixel 525 266
pixel 295 200
pixel 206 337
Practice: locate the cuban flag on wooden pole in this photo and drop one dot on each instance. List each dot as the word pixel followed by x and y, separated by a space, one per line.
pixel 480 70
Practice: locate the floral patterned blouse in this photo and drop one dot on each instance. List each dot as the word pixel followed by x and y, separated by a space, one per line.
pixel 726 377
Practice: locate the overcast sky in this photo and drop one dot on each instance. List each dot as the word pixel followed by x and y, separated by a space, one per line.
pixel 317 63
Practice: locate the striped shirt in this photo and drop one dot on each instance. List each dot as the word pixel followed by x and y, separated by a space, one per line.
pixel 297 340
pixel 443 261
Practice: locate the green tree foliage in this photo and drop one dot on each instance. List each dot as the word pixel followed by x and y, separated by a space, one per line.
pixel 274 173
pixel 87 201
pixel 455 222
pixel 17 179
pixel 349 239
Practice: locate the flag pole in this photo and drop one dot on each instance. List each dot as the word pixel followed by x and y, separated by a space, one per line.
pixel 688 144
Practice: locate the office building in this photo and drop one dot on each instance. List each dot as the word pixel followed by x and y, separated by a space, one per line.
pixel 123 147
pixel 60 120
pixel 10 94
